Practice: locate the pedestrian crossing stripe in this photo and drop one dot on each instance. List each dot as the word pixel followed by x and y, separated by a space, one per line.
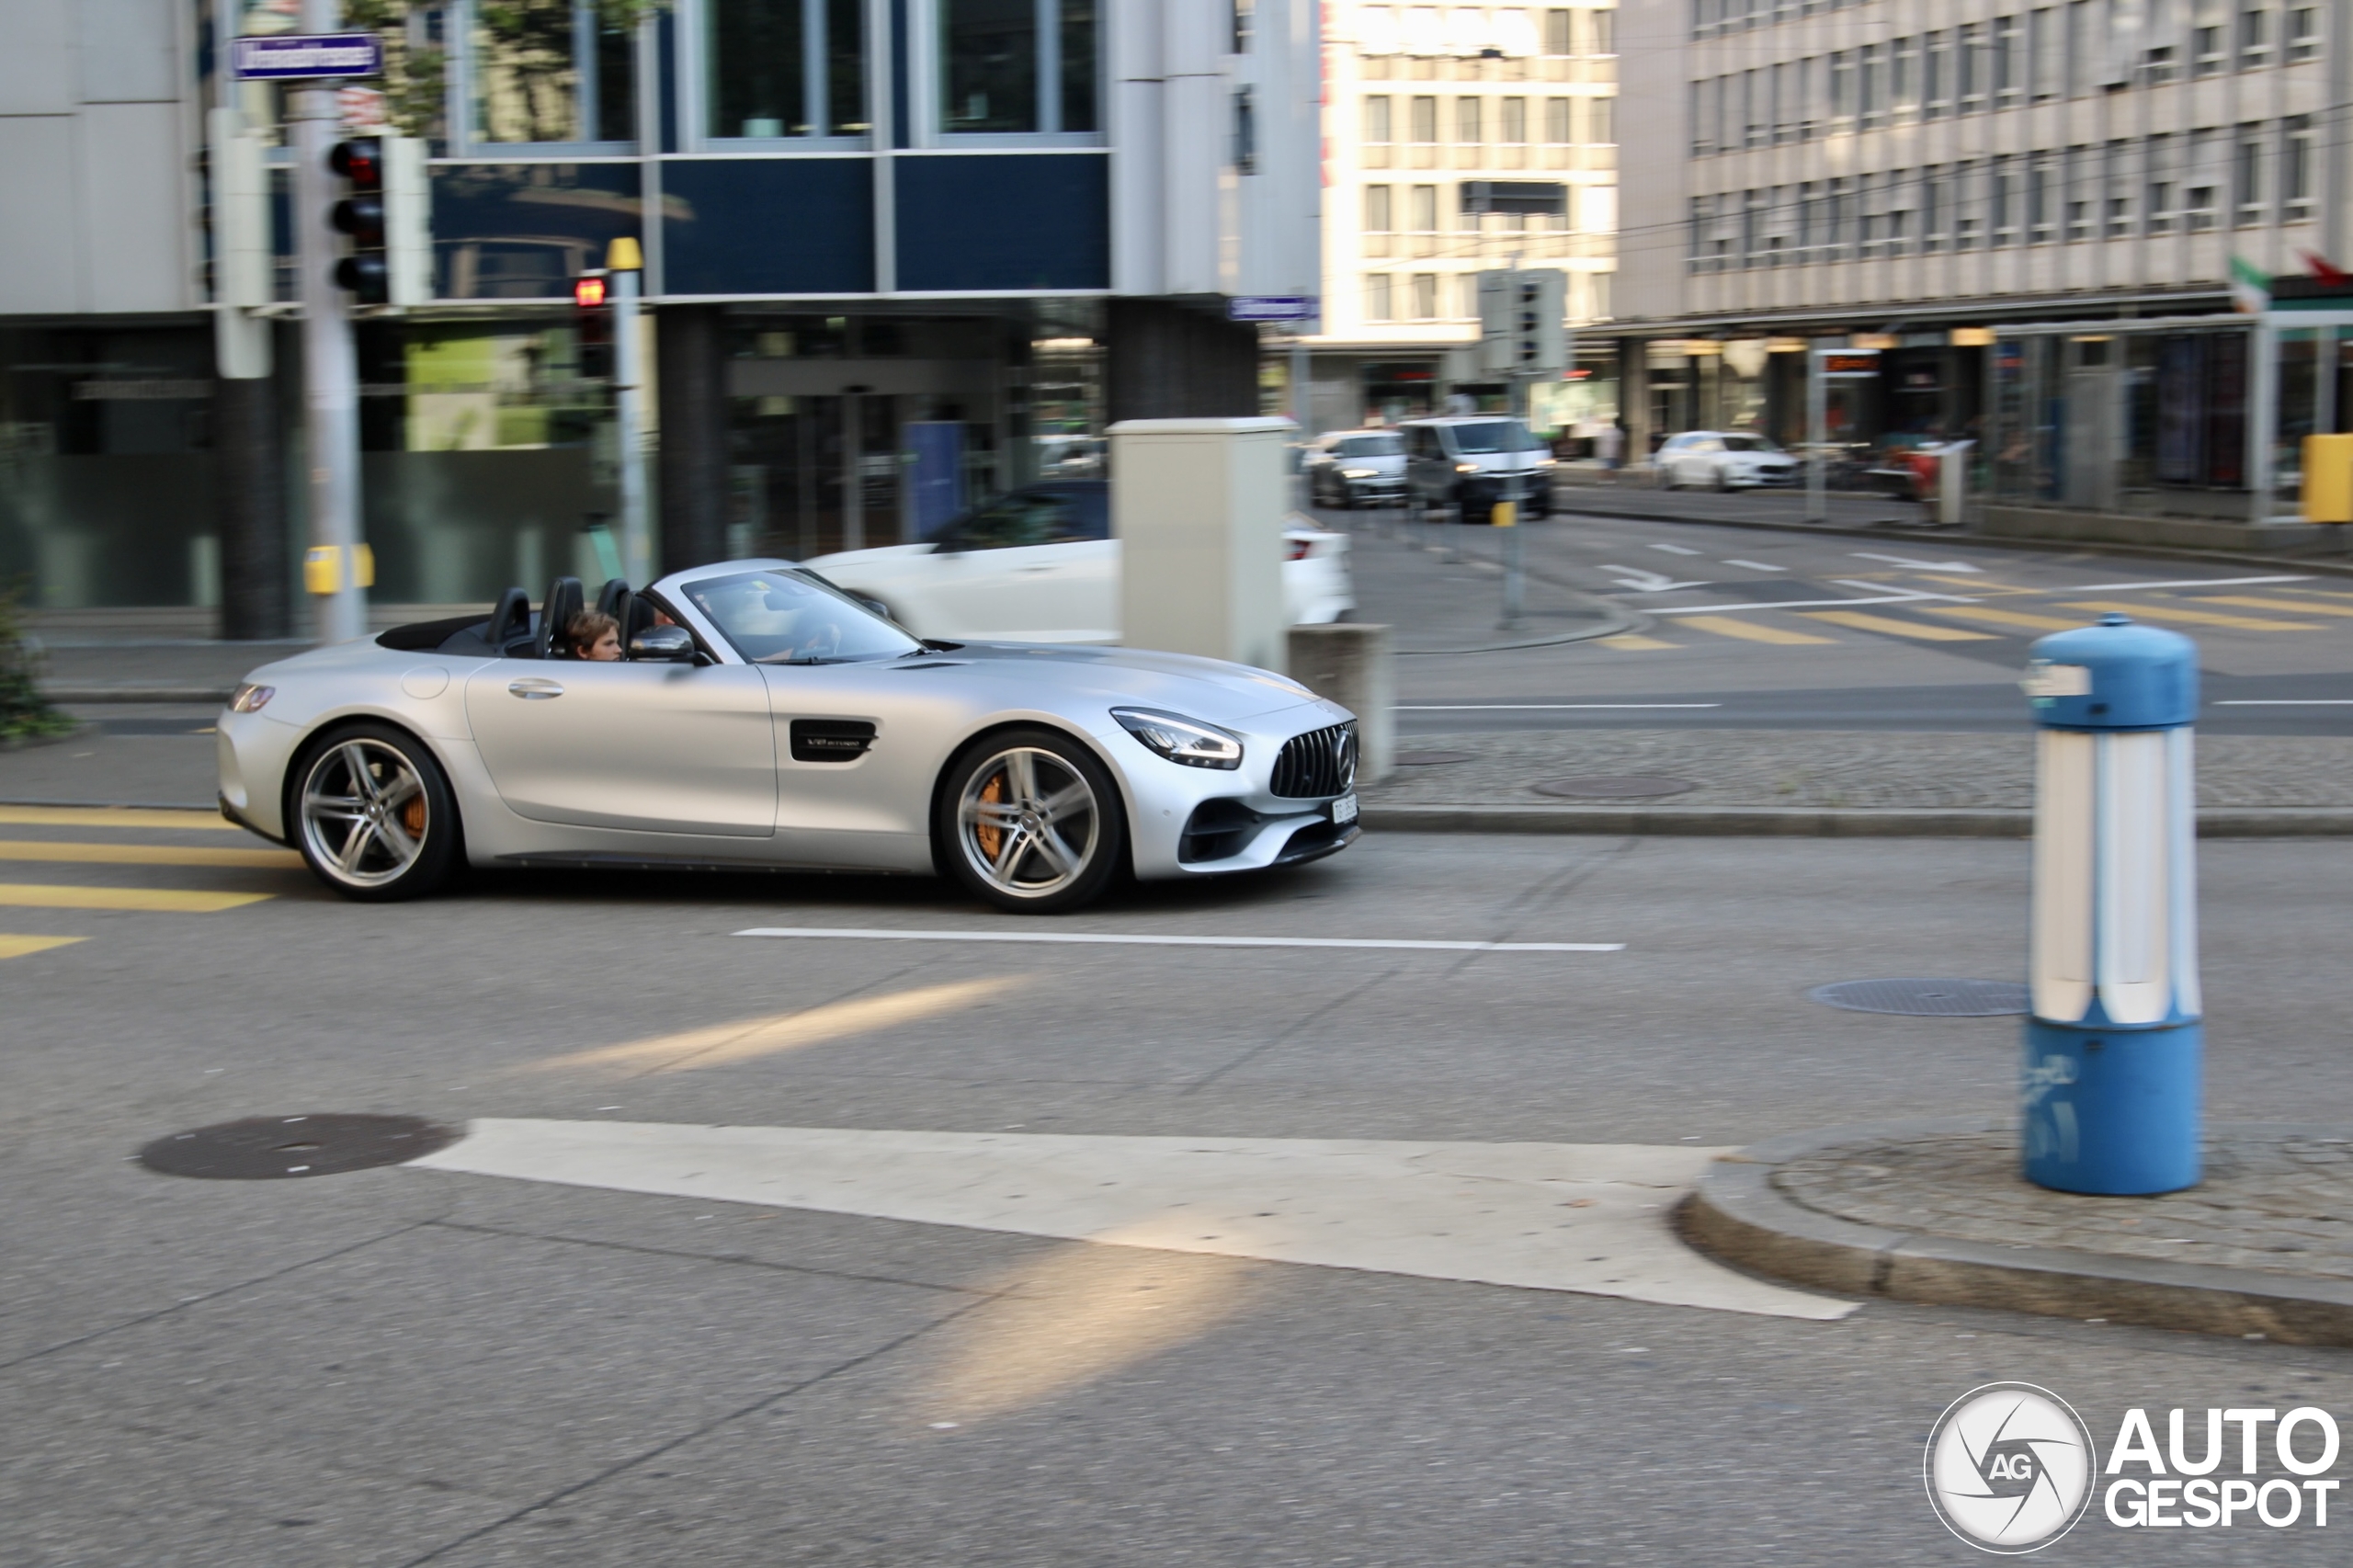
pixel 1634 642
pixel 140 854
pixel 172 901
pixel 2139 611
pixel 2248 601
pixel 21 947
pixel 115 816
pixel 1992 617
pixel 1889 626
pixel 1749 631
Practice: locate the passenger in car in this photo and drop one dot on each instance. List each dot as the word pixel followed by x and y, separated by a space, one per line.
pixel 595 637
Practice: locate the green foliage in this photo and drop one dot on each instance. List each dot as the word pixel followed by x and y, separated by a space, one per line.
pixel 24 712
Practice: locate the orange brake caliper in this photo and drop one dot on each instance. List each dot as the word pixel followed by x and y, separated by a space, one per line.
pixel 988 833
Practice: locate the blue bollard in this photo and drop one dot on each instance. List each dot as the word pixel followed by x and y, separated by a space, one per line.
pixel 2113 1047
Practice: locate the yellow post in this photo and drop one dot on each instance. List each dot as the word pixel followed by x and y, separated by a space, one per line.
pixel 2328 478
pixel 322 569
pixel 1505 514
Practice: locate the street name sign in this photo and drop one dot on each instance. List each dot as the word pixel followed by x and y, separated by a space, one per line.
pixel 306 57
pixel 1274 307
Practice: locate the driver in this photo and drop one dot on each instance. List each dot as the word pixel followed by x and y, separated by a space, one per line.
pixel 595 637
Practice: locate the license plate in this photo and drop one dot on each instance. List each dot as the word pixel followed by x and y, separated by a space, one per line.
pixel 1344 810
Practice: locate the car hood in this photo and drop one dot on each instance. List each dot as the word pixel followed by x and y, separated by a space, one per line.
pixel 1181 683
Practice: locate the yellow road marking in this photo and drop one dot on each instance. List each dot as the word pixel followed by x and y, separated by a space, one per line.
pixel 2248 601
pixel 1889 625
pixel 17 947
pixel 140 854
pixel 112 816
pixel 2004 616
pixel 174 901
pixel 748 1040
pixel 2139 611
pixel 1747 631
pixel 1980 584
pixel 1634 642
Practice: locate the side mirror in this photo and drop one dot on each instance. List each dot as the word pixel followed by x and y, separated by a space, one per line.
pixel 663 645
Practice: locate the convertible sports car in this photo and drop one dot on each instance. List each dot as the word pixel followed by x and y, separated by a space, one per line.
pixel 762 718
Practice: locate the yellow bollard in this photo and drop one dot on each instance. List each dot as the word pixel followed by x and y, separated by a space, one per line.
pixel 1505 514
pixel 2328 478
pixel 323 568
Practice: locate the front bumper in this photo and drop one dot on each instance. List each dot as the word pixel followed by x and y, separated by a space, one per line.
pixel 1196 822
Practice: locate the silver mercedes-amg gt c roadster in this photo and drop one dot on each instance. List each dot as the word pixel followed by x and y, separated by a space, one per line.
pixel 760 718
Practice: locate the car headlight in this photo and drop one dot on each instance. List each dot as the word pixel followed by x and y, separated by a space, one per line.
pixel 251 699
pixel 1359 473
pixel 1466 468
pixel 1181 741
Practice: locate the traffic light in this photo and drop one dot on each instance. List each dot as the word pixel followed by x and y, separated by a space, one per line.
pixel 1521 329
pixel 387 216
pixel 594 323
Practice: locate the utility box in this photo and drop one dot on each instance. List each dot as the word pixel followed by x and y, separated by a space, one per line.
pixel 1198 507
pixel 2328 478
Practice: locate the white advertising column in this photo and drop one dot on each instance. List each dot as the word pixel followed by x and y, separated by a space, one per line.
pixel 1198 507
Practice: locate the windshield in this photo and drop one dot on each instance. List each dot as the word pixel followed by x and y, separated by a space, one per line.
pixel 1371 447
pixel 783 618
pixel 1497 436
pixel 1749 444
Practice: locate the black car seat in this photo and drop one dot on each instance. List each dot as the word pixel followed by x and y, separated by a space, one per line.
pixel 615 599
pixel 510 620
pixel 563 603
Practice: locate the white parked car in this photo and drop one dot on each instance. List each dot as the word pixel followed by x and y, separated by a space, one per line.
pixel 1722 460
pixel 1039 565
pixel 1357 468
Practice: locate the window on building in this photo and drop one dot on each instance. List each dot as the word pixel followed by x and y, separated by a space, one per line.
pixel 1703 130
pixel 2007 67
pixel 1559 132
pixel 1425 303
pixel 2254 39
pixel 2117 195
pixel 1378 130
pixel 2247 176
pixel 1969 67
pixel 1424 127
pixel 2042 198
pixel 1378 219
pixel 2002 202
pixel 1560 34
pixel 1936 76
pixel 786 68
pixel 1376 30
pixel 550 71
pixel 1968 207
pixel 1935 210
pixel 1423 214
pixel 1601 32
pixel 1842 88
pixel 1904 81
pixel 2303 33
pixel 1017 66
pixel 2046 63
pixel 2077 199
pixel 1784 112
pixel 1598 286
pixel 1756 113
pixel 2085 46
pixel 1601 123
pixel 2296 168
pixel 1511 126
pixel 1467 130
pixel 2209 49
pixel 1870 87
pixel 2160 192
pixel 1378 306
pixel 2200 210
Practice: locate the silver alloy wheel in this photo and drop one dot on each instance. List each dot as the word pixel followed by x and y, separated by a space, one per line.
pixel 365 812
pixel 1026 822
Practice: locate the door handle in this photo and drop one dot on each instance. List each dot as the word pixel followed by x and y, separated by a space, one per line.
pixel 1025 571
pixel 534 689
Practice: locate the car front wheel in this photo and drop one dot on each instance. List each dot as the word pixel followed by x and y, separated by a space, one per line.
pixel 373 815
pixel 1030 822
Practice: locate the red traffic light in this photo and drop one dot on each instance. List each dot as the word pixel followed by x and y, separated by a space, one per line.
pixel 360 160
pixel 588 293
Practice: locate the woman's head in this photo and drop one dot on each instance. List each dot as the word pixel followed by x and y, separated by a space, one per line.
pixel 594 635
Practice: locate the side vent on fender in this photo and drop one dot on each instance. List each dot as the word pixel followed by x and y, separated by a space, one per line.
pixel 831 739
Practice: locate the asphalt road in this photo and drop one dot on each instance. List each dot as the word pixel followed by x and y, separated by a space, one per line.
pixel 1782 628
pixel 403 1366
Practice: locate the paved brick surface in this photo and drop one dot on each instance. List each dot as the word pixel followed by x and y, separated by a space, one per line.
pixel 2279 1199
pixel 1841 771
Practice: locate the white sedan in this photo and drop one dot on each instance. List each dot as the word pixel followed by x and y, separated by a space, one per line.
pixel 1039 565
pixel 1723 459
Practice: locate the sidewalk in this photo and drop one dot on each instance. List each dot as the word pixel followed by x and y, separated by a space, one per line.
pixel 1937 1211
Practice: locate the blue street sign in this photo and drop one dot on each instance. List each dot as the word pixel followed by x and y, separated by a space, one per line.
pixel 289 58
pixel 1274 307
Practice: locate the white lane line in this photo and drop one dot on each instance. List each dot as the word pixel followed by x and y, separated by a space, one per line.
pixel 1805 604
pixel 1539 707
pixel 2286 703
pixel 1115 939
pixel 1587 1218
pixel 1755 565
pixel 1915 564
pixel 1900 589
pixel 1676 548
pixel 2184 583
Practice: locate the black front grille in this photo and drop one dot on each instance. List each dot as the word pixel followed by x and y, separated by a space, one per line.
pixel 1322 762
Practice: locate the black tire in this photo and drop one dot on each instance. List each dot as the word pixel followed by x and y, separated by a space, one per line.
pixel 982 808
pixel 379 788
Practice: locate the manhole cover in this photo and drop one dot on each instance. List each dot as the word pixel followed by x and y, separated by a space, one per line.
pixel 264 1148
pixel 1632 787
pixel 1431 758
pixel 1925 998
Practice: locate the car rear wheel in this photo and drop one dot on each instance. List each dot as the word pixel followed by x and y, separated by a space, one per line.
pixel 1030 822
pixel 373 815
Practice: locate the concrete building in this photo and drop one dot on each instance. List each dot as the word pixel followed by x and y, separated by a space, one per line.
pixel 1420 101
pixel 885 241
pixel 1925 176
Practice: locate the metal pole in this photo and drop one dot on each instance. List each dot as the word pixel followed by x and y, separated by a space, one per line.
pixel 623 265
pixel 854 493
pixel 1817 435
pixel 1299 408
pixel 2262 416
pixel 330 365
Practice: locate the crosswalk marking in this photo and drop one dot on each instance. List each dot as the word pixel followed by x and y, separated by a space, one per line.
pixel 2248 601
pixel 1890 627
pixel 1749 631
pixel 1755 565
pixel 2141 610
pixel 1634 642
pixel 19 947
pixel 172 901
pixel 140 854
pixel 2004 616
pixel 114 816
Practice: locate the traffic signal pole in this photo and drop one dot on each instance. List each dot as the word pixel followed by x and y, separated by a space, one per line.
pixel 332 568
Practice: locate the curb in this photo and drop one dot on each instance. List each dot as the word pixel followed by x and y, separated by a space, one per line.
pixel 1738 1215
pixel 31 742
pixel 219 694
pixel 1768 822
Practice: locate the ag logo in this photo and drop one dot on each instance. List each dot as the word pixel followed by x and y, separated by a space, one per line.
pixel 2009 1467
